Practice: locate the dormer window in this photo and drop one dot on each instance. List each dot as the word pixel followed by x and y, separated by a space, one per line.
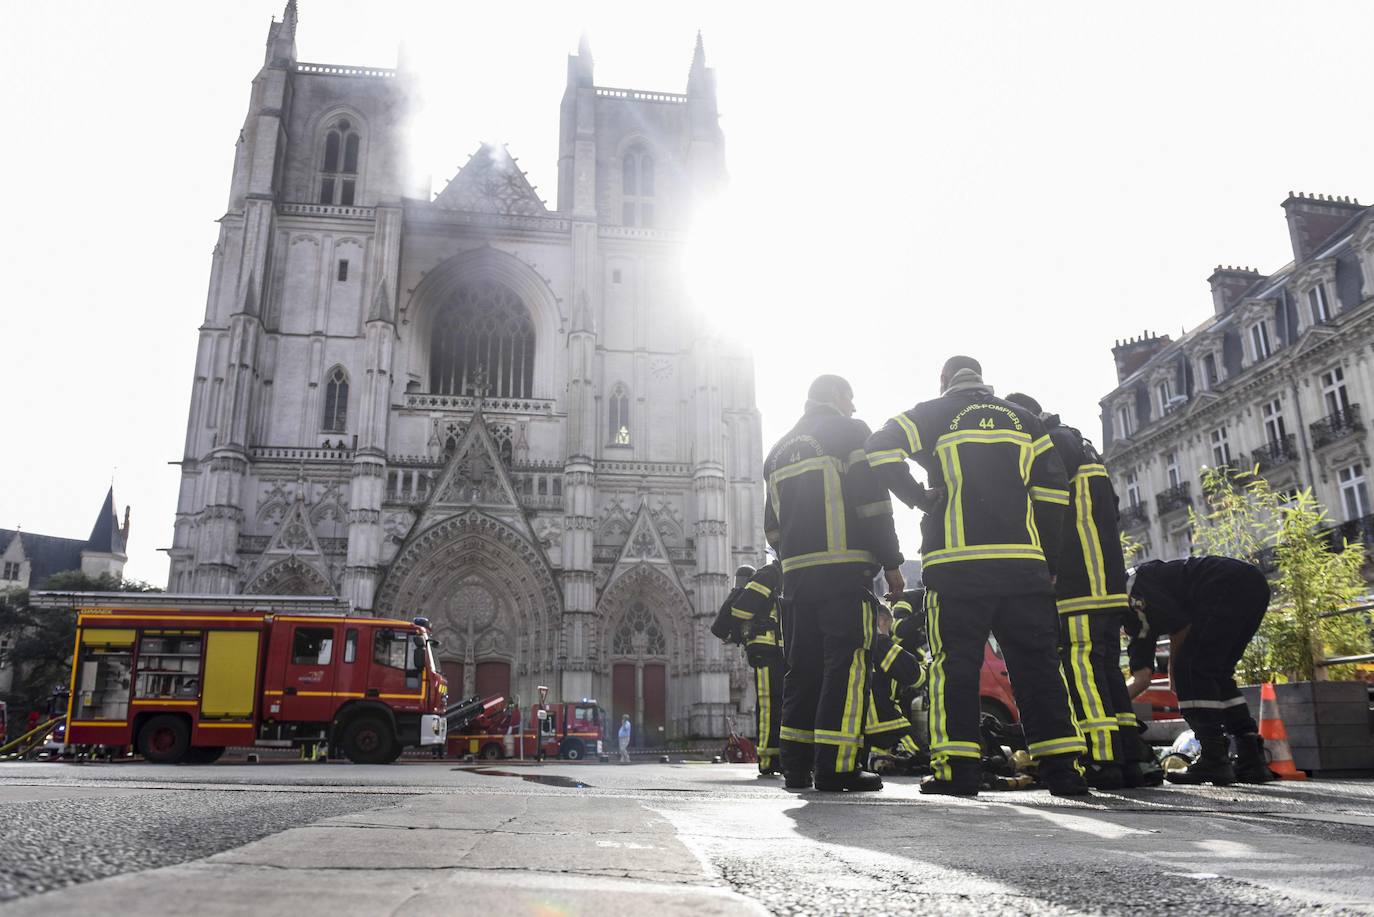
pixel 1260 348
pixel 1125 421
pixel 637 187
pixel 1164 393
pixel 339 165
pixel 1318 307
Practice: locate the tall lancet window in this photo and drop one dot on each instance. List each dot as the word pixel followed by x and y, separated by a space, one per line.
pixel 483 344
pixel 619 426
pixel 336 402
pixel 637 187
pixel 339 167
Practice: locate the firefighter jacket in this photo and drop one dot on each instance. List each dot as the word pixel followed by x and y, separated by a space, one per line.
pixel 756 614
pixel 892 660
pixel 724 626
pixel 1092 572
pixel 826 514
pixel 998 531
pixel 1168 595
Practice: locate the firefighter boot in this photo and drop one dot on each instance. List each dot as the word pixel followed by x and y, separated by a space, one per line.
pixel 966 777
pixel 1140 769
pixel 854 782
pixel 796 780
pixel 1212 766
pixel 1251 766
pixel 1106 775
pixel 1061 775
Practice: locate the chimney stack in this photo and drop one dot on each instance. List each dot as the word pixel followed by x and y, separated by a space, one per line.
pixel 1133 353
pixel 1313 218
pixel 1229 284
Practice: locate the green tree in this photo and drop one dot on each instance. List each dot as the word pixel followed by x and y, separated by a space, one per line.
pixel 1289 536
pixel 41 639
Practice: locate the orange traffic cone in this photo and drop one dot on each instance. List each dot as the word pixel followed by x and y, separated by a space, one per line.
pixel 1276 736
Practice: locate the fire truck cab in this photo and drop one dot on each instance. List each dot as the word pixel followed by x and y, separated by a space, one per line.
pixel 180 678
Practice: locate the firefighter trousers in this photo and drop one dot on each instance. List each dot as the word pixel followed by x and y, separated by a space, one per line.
pixel 1026 628
pixel 1203 665
pixel 769 672
pixel 1090 650
pixel 826 690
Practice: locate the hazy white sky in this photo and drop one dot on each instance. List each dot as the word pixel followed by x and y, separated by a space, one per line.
pixel 1022 182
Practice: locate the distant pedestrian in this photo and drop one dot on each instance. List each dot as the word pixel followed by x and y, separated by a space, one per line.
pixel 625 731
pixel 33 719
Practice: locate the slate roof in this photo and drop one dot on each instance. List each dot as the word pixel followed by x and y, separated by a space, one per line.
pixel 47 554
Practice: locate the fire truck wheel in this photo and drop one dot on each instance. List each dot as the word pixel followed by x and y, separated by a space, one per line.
pixel 491 751
pixel 573 750
pixel 204 754
pixel 164 739
pixel 367 739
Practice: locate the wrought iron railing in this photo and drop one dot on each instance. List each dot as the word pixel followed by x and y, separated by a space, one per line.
pixel 1177 497
pixel 1275 453
pixel 1134 517
pixel 1336 425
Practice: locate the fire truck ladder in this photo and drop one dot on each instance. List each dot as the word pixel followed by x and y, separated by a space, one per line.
pixel 261 604
pixel 462 712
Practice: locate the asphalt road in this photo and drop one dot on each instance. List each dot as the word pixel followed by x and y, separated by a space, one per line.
pixel 436 837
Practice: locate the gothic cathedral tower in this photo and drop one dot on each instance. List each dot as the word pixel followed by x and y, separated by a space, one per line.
pixel 470 406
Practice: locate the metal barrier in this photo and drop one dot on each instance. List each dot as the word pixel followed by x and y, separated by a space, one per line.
pixel 1344 660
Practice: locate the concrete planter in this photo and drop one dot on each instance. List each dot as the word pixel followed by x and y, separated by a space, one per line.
pixel 1328 724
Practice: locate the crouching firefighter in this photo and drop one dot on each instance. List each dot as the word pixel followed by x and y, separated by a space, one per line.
pixel 987 563
pixel 757 609
pixel 1090 592
pixel 1210 607
pixel 830 522
pixel 897 674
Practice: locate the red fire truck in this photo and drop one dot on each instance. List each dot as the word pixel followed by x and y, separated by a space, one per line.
pixel 570 731
pixel 180 678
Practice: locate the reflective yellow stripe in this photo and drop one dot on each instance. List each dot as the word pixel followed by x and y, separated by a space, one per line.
pixel 829 468
pixel 1057 747
pixel 954 487
pixel 1091 603
pixel 248 725
pixel 984 552
pixel 874 726
pixel 893 654
pixel 937 719
pixel 886 457
pixel 759 587
pixel 831 737
pixel 1093 560
pixel 913 435
pixel 793 734
pixel 763 700
pixel 1041 446
pixel 1127 719
pixel 741 614
pixel 908 744
pixel 851 720
pixel 1089 700
pixel 876 508
pixel 854 458
pixel 1050 495
pixel 1032 533
pixel 1091 471
pixel 165 703
pixel 820 558
pixel 959 437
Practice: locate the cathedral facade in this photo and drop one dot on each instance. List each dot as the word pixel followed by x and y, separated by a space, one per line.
pixel 471 406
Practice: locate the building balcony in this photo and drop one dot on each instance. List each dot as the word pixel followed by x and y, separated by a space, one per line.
pixel 1175 498
pixel 1272 455
pixel 1336 426
pixel 1135 517
pixel 1355 531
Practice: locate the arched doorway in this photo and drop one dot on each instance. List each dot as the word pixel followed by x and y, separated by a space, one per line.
pixel 491 600
pixel 647 649
pixel 639 675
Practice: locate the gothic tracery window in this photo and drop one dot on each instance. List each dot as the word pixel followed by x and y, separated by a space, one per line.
pixel 639 634
pixel 336 402
pixel 483 343
pixel 339 167
pixel 619 425
pixel 637 187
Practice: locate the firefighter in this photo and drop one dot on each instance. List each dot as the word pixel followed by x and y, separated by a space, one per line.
pixel 896 673
pixel 756 611
pixel 830 522
pixel 988 560
pixel 1210 607
pixel 724 627
pixel 1090 590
